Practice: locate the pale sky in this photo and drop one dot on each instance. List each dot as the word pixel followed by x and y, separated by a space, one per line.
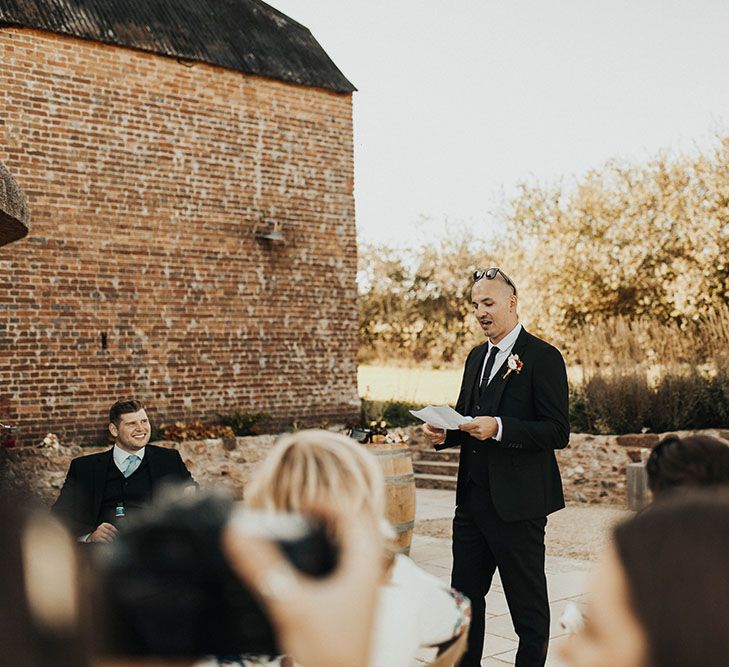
pixel 460 100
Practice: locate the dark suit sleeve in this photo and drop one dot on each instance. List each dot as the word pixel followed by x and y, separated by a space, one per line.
pixel 550 395
pixel 183 472
pixel 65 507
pixel 456 438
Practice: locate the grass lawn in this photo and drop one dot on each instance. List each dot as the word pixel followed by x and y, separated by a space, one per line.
pixel 415 385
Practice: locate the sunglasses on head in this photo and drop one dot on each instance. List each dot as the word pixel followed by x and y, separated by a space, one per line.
pixel 490 274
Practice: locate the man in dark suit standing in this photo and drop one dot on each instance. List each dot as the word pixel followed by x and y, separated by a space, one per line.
pixel 101 488
pixel 515 388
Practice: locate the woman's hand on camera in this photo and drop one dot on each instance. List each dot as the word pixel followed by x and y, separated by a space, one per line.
pixel 319 622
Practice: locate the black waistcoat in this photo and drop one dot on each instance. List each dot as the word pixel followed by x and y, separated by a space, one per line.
pixel 135 491
pixel 477 451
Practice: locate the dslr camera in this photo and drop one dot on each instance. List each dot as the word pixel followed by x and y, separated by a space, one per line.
pixel 164 587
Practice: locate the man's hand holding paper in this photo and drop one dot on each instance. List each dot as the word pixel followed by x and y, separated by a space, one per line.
pixel 481 428
pixel 441 416
pixel 437 420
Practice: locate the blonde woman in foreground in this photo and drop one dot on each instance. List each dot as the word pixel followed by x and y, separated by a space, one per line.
pixel 314 469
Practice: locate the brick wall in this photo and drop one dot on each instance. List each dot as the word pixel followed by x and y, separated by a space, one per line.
pixel 147 179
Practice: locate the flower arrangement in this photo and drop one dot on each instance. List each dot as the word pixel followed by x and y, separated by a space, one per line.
pixel 377 434
pixel 51 440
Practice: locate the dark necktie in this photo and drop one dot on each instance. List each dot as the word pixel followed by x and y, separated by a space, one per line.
pixel 489 367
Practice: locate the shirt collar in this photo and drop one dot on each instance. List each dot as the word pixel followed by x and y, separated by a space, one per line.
pixel 120 456
pixel 507 342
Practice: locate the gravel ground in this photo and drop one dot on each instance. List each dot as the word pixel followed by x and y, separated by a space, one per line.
pixel 578 531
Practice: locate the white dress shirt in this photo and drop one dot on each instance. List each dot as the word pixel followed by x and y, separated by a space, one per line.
pixel 505 346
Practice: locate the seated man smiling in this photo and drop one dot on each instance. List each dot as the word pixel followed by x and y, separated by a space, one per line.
pixel 102 488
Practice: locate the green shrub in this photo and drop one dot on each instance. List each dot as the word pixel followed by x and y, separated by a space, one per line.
pixel 394 413
pixel 713 410
pixel 244 423
pixel 579 422
pixel 676 400
pixel 627 403
pixel 617 403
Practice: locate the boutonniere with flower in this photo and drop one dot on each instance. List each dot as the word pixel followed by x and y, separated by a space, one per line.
pixel 514 364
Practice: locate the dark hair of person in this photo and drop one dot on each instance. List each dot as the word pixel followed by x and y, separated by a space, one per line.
pixel 674 559
pixel 123 406
pixel 697 460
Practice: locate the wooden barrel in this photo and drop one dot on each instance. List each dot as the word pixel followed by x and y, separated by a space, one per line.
pixel 396 461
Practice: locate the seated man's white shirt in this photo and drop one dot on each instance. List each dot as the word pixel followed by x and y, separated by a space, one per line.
pixel 120 457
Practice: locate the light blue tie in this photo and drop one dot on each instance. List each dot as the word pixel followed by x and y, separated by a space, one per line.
pixel 132 464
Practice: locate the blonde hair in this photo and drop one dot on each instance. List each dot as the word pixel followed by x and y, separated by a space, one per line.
pixel 316 467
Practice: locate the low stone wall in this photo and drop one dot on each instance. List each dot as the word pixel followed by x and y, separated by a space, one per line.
pixel 593 466
pixel 221 464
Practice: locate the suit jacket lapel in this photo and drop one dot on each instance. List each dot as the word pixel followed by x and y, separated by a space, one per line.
pixel 498 384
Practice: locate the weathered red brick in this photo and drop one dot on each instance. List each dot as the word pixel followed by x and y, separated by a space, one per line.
pixel 146 180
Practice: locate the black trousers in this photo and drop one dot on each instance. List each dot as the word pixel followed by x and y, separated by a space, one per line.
pixel 483 542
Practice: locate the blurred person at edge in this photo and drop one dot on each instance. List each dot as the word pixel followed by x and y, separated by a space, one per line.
pixel 323 622
pixel 660 596
pixel 320 468
pixel 38 592
pixel 694 461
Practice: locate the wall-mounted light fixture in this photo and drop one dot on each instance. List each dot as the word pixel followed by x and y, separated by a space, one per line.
pixel 269 232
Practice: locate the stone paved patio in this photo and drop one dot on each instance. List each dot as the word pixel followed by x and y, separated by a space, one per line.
pixel 566 580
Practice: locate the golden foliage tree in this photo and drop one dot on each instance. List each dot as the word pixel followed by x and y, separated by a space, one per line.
pixel 637 241
pixel 648 242
pixel 415 306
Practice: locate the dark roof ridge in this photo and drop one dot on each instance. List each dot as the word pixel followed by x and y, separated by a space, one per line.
pixel 244 35
pixel 282 15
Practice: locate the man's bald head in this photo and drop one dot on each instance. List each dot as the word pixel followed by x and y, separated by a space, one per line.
pixel 494 303
pixel 499 282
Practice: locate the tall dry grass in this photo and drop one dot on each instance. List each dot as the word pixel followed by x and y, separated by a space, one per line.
pixel 641 375
pixel 620 343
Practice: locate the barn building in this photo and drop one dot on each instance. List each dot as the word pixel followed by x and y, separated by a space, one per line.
pixel 188 166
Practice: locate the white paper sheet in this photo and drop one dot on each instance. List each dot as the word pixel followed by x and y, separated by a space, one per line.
pixel 441 416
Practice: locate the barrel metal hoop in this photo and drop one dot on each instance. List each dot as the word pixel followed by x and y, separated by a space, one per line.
pixel 391 453
pixel 400 480
pixel 403 526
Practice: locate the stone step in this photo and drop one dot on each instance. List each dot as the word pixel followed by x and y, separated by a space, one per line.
pixel 432 455
pixel 426 481
pixel 449 468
